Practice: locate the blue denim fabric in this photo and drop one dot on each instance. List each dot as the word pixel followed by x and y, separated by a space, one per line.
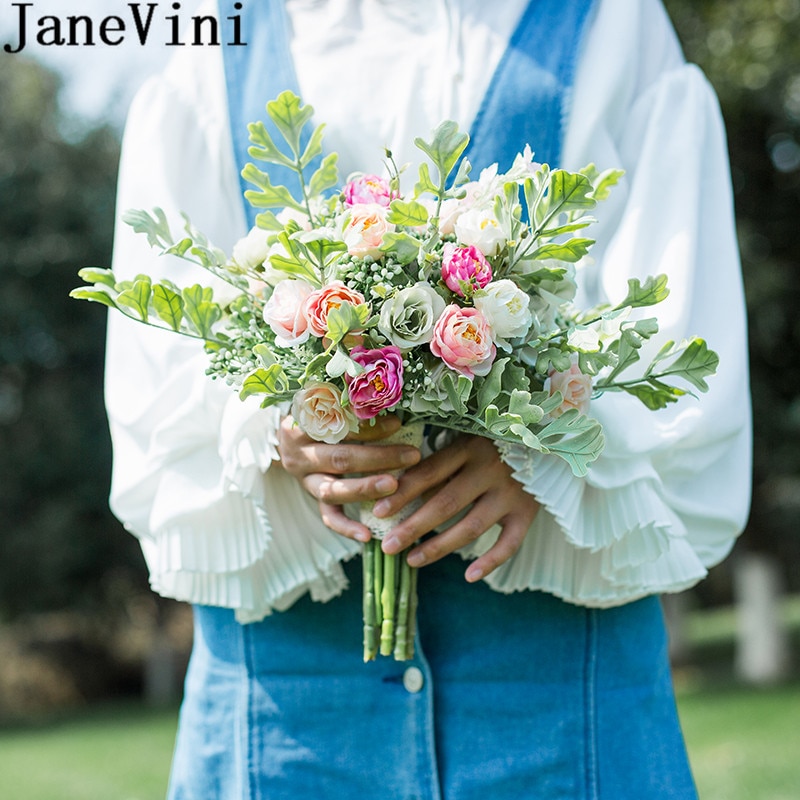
pixel 522 696
pixel 527 101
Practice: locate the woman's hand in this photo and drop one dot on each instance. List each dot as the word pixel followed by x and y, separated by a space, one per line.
pixel 321 468
pixel 466 473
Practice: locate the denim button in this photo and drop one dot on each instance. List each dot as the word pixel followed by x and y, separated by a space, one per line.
pixel 413 680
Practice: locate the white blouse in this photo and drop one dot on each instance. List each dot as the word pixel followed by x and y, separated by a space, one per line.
pixel 196 473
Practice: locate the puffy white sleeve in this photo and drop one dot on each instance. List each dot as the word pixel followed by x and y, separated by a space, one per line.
pixel 195 472
pixel 671 490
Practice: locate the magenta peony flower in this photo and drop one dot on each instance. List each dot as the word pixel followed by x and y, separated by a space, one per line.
pixel 380 385
pixel 462 338
pixel 464 265
pixel 368 189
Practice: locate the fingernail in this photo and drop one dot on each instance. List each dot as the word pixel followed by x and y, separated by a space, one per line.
pixel 363 536
pixel 385 485
pixel 473 574
pixel 391 544
pixel 416 559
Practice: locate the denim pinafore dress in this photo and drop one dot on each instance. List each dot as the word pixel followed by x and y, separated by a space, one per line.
pixel 509 697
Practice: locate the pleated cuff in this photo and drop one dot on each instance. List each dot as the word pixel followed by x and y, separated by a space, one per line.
pixel 251 557
pixel 592 546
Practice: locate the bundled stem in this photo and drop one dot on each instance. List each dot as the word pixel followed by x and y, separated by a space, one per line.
pixel 388 600
pixel 371 621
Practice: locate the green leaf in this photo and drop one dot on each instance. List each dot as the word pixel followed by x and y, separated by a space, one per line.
pixel 168 305
pixel 265 380
pixel 267 221
pixel 263 353
pixel 290 116
pixel 425 185
pixel 445 148
pixel 649 293
pixel 268 196
pixel 602 181
pixel 404 248
pixel 567 191
pixel 410 214
pixel 572 250
pixel 655 398
pixel 318 246
pixel 576 438
pixel 520 405
pixel 490 386
pixel 200 309
pixel 93 295
pixel 137 298
pixel 326 176
pixel 344 319
pixel 313 148
pixel 155 226
pixel 264 147
pixel 98 275
pixel 695 363
pixel 455 391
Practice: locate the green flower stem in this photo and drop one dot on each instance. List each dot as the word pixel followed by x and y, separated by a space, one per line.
pixel 377 583
pixel 370 626
pixel 403 609
pixel 412 612
pixel 388 598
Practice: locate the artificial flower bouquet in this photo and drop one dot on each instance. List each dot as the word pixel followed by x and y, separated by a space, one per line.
pixel 447 302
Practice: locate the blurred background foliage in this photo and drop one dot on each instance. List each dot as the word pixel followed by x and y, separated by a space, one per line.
pixel 62 549
pixel 750 51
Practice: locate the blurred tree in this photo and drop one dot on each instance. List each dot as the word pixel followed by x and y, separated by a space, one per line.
pixel 60 544
pixel 750 50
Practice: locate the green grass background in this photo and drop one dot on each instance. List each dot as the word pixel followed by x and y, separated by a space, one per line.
pixel 744 743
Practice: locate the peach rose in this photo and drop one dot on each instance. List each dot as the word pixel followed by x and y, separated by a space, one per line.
pixel 462 338
pixel 321 301
pixel 285 312
pixel 366 226
pixel 575 388
pixel 317 409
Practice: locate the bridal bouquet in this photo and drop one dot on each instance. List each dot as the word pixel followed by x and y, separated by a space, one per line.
pixel 445 300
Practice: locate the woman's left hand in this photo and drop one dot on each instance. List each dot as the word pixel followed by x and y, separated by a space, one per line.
pixel 466 473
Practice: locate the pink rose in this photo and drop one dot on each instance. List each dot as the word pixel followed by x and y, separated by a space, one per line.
pixel 575 388
pixel 380 385
pixel 368 189
pixel 285 312
pixel 318 411
pixel 363 234
pixel 462 338
pixel 321 301
pixel 464 265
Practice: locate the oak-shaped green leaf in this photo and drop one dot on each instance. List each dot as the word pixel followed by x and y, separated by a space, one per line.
pixel 137 297
pixel 168 305
pixel 265 380
pixel 98 275
pixel 200 309
pixel 576 438
pixel 290 116
pixel 325 176
pixel 411 214
pixel 264 147
pixel 93 295
pixel 445 148
pixel 155 226
pixel 572 250
pixel 649 293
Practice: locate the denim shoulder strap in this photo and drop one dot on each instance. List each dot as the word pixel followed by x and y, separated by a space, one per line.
pixel 254 74
pixel 528 100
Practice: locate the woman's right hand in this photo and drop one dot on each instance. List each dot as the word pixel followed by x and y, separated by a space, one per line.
pixel 321 469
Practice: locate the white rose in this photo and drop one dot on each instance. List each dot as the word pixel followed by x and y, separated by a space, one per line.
pixel 252 251
pixel 284 312
pixel 407 318
pixel 507 308
pixel 481 229
pixel 586 340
